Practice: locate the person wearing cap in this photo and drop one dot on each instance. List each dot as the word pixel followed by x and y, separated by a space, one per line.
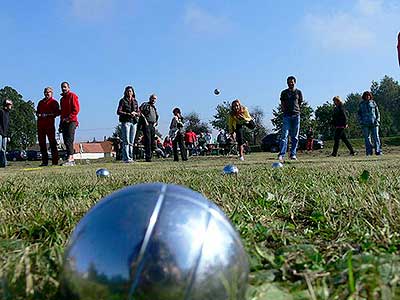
pixel 69 120
pixel 148 120
pixel 4 130
pixel 47 111
pixel 339 120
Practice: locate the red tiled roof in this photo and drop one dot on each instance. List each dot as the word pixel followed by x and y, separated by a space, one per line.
pixel 103 147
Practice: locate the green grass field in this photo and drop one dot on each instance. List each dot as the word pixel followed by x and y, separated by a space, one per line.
pixel 318 228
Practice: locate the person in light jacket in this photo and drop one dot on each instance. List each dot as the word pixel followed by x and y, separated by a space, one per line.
pixel 369 119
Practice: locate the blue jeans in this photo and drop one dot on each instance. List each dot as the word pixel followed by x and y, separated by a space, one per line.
pixel 128 138
pixel 290 126
pixel 3 146
pixel 373 131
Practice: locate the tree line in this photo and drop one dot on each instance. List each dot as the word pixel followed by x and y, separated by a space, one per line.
pixel 386 95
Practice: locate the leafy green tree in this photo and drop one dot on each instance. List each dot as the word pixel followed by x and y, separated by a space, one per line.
pixel 387 96
pixel 193 122
pixel 220 121
pixel 22 119
pixel 323 119
pixel 260 130
pixel 351 105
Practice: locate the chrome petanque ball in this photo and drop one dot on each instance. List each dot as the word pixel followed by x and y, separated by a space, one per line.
pixel 158 242
pixel 217 92
pixel 102 173
pixel 230 169
pixel 277 164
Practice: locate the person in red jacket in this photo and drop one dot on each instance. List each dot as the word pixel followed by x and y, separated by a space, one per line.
pixel 69 120
pixel 46 112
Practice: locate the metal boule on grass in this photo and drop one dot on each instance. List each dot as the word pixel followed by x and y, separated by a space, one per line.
pixel 154 241
pixel 230 169
pixel 277 164
pixel 102 172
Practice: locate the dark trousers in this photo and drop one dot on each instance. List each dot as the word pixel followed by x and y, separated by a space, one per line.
pixel 68 132
pixel 341 135
pixel 149 140
pixel 179 141
pixel 50 132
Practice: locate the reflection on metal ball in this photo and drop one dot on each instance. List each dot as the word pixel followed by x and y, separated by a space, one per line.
pixel 277 164
pixel 230 169
pixel 102 173
pixel 154 241
pixel 217 92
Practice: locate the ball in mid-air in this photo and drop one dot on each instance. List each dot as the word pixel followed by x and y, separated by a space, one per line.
pixel 102 173
pixel 154 241
pixel 217 92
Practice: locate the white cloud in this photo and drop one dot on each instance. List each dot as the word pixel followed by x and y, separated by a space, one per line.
pixel 200 20
pixel 91 9
pixel 370 7
pixel 339 31
pixel 361 27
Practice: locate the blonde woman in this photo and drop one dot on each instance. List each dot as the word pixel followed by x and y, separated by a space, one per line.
pixel 239 117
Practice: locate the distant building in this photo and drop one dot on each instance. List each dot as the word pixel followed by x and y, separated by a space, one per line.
pixel 93 150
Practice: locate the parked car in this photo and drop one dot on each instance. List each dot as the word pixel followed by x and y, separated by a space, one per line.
pixel 271 143
pixel 317 143
pixel 33 155
pixel 16 155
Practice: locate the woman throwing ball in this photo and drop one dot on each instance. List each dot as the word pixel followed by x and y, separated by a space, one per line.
pixel 239 117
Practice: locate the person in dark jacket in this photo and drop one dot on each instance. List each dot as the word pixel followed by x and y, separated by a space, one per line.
pixel 339 120
pixel 47 110
pixel 177 134
pixel 370 118
pixel 148 121
pixel 291 100
pixel 4 127
pixel 128 112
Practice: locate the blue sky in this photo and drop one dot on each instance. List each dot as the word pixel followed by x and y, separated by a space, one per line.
pixel 183 50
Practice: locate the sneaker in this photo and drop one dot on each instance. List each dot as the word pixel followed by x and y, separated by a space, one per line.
pixel 43 165
pixel 280 158
pixel 69 163
pixel 241 158
pixel 353 153
pixel 293 157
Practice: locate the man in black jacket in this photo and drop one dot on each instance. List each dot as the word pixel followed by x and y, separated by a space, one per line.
pixel 148 122
pixel 4 126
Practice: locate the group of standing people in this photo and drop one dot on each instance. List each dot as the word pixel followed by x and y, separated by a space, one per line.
pixel 145 117
pixel 133 117
pixel 369 118
pixel 48 109
pixel 291 100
